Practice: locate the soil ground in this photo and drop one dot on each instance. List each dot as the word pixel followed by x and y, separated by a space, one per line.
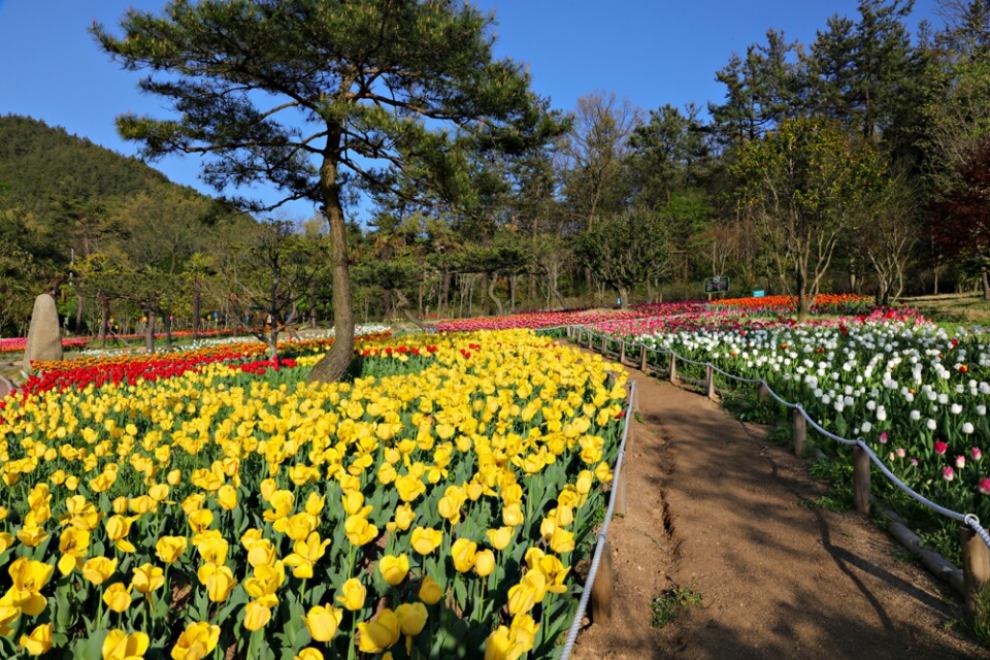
pixel 716 507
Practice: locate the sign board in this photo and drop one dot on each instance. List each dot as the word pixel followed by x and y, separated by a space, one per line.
pixel 716 284
pixel 759 293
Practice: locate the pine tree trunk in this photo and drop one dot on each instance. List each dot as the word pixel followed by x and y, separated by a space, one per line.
pixel 336 362
pixel 492 283
pixel 985 281
pixel 197 304
pixel 104 318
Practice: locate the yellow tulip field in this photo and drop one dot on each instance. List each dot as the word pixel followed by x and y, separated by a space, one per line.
pixel 438 504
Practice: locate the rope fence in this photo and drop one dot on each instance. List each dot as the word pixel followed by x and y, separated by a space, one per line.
pixel 976 555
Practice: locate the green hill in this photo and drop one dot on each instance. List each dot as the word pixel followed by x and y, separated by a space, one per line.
pixel 64 198
pixel 39 163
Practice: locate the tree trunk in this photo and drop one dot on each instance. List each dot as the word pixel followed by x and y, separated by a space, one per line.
pixel 79 314
pixel 197 304
pixel 512 293
pixel 104 318
pixel 492 283
pixel 168 327
pixel 804 305
pixel 336 362
pixel 623 297
pixel 312 303
pixel 149 331
pixel 985 281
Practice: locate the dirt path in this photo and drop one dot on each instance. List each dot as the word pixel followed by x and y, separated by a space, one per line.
pixel 716 507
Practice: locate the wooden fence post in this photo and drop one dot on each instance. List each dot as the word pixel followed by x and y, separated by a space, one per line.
pixel 601 590
pixel 622 351
pixel 800 432
pixel 764 393
pixel 861 479
pixel 975 565
pixel 642 358
pixel 590 339
pixel 620 495
pixel 673 368
pixel 604 344
pixel 710 381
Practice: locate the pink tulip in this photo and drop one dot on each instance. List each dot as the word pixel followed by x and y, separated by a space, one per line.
pixel 883 438
pixel 948 473
pixel 976 453
pixel 960 462
pixel 985 486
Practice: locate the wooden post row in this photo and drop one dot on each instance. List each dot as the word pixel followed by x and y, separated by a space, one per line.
pixel 622 351
pixel 800 432
pixel 642 357
pixel 601 590
pixel 673 368
pixel 710 381
pixel 590 339
pixel 604 344
pixel 976 567
pixel 861 479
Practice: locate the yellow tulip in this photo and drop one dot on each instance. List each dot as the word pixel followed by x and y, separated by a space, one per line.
pixel 118 527
pixel 394 569
pixel 352 594
pixel 227 497
pixel 379 633
pixel 412 618
pixel 73 544
pixel 117 597
pixel 196 642
pixel 170 548
pixel 529 591
pixel 562 541
pixel 6 540
pixel 426 539
pixel 147 578
pixel 218 580
pixel 353 500
pixel 118 645
pixel 39 641
pixel 500 538
pixel 429 591
pixel 98 569
pixel 359 530
pixel 309 653
pixel 409 487
pixel 512 515
pixel 322 622
pixel 463 552
pixel 484 563
pixel 256 615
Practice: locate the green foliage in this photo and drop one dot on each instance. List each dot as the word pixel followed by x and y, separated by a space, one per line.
pixel 672 603
pixel 626 249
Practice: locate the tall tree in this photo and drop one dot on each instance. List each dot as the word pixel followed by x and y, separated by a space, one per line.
pixel 324 97
pixel 804 185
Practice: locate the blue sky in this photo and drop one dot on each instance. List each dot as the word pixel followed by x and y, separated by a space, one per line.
pixel 649 51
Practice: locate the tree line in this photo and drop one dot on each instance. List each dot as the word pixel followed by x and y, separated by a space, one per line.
pixel 857 162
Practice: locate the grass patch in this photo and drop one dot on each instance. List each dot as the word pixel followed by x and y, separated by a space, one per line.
pixel 672 603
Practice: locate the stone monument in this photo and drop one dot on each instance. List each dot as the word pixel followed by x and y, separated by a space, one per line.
pixel 44 340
